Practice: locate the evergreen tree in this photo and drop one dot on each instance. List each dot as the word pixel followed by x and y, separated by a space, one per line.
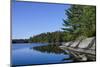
pixel 80 21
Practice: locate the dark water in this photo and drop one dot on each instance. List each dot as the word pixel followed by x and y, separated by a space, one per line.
pixel 37 53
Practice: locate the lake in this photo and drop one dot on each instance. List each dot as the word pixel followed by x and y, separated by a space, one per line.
pixel 38 53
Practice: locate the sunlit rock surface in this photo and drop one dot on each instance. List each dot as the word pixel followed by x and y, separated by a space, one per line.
pixel 83 51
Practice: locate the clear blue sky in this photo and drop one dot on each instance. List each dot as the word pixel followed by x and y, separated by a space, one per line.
pixel 31 18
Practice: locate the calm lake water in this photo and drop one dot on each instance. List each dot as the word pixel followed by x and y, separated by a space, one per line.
pixel 33 54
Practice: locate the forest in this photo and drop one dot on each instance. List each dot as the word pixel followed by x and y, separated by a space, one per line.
pixel 80 22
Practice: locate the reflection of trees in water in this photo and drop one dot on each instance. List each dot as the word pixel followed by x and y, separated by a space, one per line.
pixel 50 49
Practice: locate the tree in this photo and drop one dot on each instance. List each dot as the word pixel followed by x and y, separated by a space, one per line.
pixel 80 21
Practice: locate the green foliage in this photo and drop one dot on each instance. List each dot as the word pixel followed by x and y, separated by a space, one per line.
pixel 51 37
pixel 81 21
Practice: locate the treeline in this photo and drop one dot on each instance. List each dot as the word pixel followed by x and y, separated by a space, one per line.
pixel 20 41
pixel 51 37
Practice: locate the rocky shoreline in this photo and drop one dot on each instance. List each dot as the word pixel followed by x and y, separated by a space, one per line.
pixel 82 51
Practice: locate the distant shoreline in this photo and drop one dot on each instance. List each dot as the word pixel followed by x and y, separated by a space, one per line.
pixel 59 44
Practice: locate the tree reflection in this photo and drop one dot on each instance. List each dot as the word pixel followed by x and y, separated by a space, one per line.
pixel 51 48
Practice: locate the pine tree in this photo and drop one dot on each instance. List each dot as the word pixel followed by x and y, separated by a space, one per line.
pixel 80 21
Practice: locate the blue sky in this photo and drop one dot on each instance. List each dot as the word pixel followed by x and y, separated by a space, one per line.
pixel 31 18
